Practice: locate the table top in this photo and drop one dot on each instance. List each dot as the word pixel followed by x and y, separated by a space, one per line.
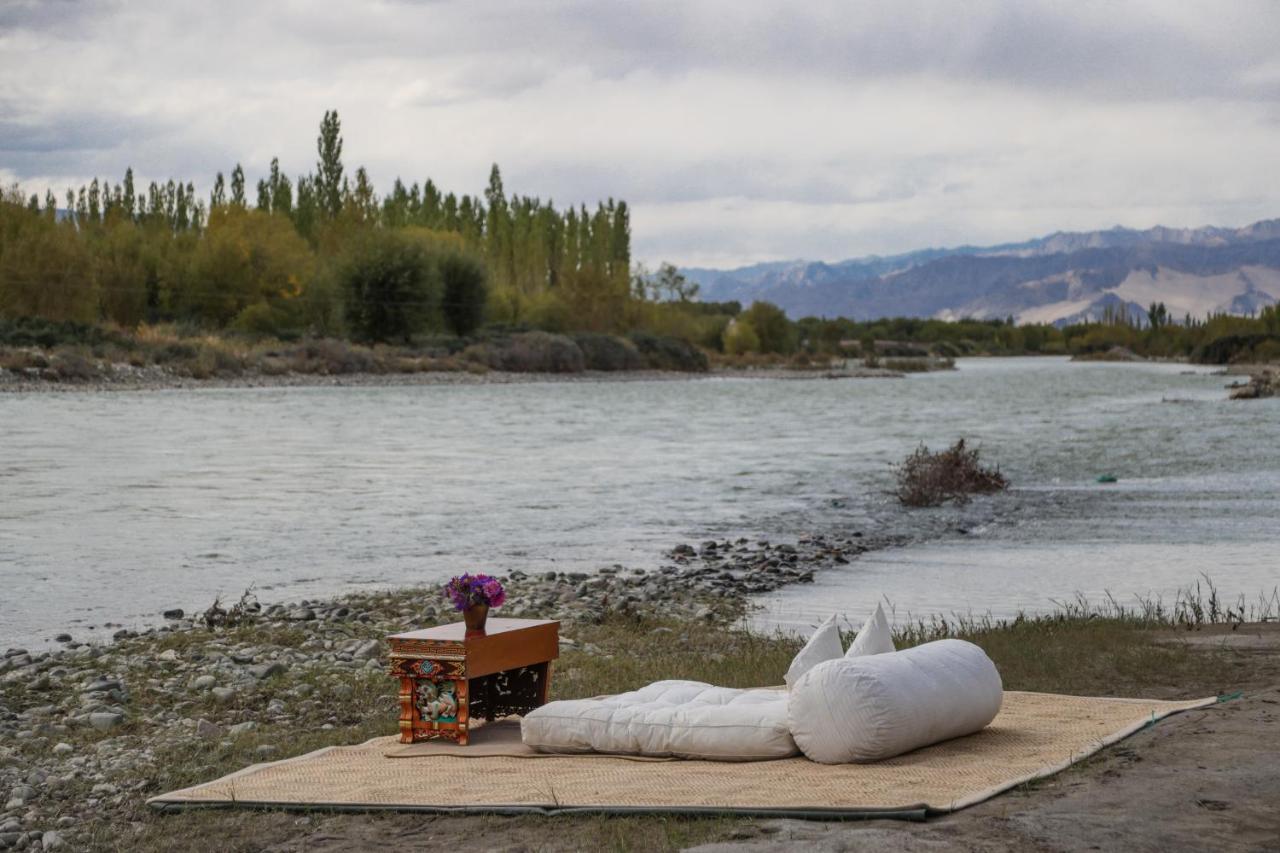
pixel 456 632
pixel 505 644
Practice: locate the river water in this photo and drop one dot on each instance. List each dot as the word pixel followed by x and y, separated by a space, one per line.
pixel 115 506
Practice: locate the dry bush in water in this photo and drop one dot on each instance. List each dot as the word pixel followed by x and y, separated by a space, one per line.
pixel 930 479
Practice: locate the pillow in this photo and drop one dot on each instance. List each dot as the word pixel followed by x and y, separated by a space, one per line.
pixel 878 706
pixel 875 638
pixel 824 645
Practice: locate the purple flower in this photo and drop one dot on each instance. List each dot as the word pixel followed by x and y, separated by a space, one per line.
pixel 467 590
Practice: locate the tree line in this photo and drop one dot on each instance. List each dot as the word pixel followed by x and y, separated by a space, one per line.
pixel 294 256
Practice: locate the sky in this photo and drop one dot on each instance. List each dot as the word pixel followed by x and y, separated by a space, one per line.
pixel 737 131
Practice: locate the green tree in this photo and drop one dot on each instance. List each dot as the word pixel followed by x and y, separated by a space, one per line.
pixel 740 337
pixel 777 334
pixel 237 187
pixel 465 292
pixel 391 287
pixel 329 180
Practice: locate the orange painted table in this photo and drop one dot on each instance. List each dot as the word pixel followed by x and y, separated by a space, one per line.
pixel 449 676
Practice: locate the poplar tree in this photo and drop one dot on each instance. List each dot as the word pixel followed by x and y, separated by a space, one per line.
pixel 329 181
pixel 237 186
pixel 218 197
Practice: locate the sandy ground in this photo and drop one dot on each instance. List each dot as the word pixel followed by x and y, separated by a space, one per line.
pixel 1201 780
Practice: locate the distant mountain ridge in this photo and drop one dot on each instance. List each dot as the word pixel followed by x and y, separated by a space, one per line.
pixel 1060 278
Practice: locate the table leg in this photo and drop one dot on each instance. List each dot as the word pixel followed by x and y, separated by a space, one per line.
pixel 408 711
pixel 464 711
pixel 544 683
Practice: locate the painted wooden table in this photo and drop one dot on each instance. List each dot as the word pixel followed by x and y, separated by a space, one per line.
pixel 449 676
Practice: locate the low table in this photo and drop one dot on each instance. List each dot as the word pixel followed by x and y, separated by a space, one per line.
pixel 448 676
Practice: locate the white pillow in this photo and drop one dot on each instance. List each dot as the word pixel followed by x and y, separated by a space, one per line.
pixel 878 706
pixel 824 645
pixel 875 638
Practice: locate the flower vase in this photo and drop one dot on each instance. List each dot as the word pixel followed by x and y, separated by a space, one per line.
pixel 475 617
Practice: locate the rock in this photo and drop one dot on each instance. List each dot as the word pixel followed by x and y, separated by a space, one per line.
pixel 267 750
pixel 241 728
pixel 63 749
pixel 174 613
pixel 266 670
pixel 105 721
pixel 168 655
pixel 52 840
pixel 103 685
pixel 368 650
pixel 206 729
pixel 204 682
pixel 223 695
pixel 104 789
pixel 62 638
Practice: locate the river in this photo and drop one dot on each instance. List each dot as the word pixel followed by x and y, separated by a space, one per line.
pixel 116 506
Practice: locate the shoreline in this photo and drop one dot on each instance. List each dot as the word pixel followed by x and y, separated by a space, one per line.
pixel 88 732
pixel 131 379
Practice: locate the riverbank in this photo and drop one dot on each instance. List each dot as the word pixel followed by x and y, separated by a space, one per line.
pixel 122 377
pixel 89 731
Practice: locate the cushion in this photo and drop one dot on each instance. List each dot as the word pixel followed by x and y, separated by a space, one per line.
pixel 824 645
pixel 682 719
pixel 878 706
pixel 875 638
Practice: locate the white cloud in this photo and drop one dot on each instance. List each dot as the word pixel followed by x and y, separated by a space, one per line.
pixel 738 132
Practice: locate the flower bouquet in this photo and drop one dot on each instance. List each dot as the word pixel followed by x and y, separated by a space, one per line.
pixel 474 595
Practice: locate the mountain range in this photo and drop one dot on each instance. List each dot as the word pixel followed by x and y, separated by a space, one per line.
pixel 1062 278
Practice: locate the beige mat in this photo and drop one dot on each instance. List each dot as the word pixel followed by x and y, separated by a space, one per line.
pixel 1035 735
pixel 501 738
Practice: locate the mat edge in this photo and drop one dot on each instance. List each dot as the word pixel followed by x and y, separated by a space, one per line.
pixel 1103 743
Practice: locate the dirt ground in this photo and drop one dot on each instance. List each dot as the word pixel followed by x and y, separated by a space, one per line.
pixel 1201 780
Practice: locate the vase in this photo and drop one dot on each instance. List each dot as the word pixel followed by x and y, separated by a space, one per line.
pixel 475 616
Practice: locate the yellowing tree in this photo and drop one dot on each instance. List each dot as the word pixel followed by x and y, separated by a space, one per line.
pixel 245 258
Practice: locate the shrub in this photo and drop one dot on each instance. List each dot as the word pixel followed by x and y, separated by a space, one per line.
pixel 670 353
pixel 72 366
pixel 530 352
pixel 930 479
pixel 330 357
pixel 391 286
pixel 608 352
pixel 466 289
pixel 740 337
pixel 774 331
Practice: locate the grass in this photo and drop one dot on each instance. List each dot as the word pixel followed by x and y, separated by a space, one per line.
pixel 1103 649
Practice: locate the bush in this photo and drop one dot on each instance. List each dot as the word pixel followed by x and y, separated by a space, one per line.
pixel 740 337
pixel 71 366
pixel 466 290
pixel 774 331
pixel 1227 348
pixel 930 479
pixel 329 357
pixel 608 352
pixel 670 353
pixel 391 286
pixel 530 352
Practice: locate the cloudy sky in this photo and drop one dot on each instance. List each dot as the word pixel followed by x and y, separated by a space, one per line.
pixel 737 131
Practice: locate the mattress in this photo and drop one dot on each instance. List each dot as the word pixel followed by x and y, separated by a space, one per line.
pixel 679 719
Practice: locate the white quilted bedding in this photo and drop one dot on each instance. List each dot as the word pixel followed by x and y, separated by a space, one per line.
pixel 682 719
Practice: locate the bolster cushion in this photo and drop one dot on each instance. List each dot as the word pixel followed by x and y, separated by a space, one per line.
pixel 878 706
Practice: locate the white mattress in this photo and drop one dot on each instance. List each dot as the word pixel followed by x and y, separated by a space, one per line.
pixel 681 719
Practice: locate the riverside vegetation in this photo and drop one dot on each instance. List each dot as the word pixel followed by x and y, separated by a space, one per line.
pixel 90 730
pixel 320 274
